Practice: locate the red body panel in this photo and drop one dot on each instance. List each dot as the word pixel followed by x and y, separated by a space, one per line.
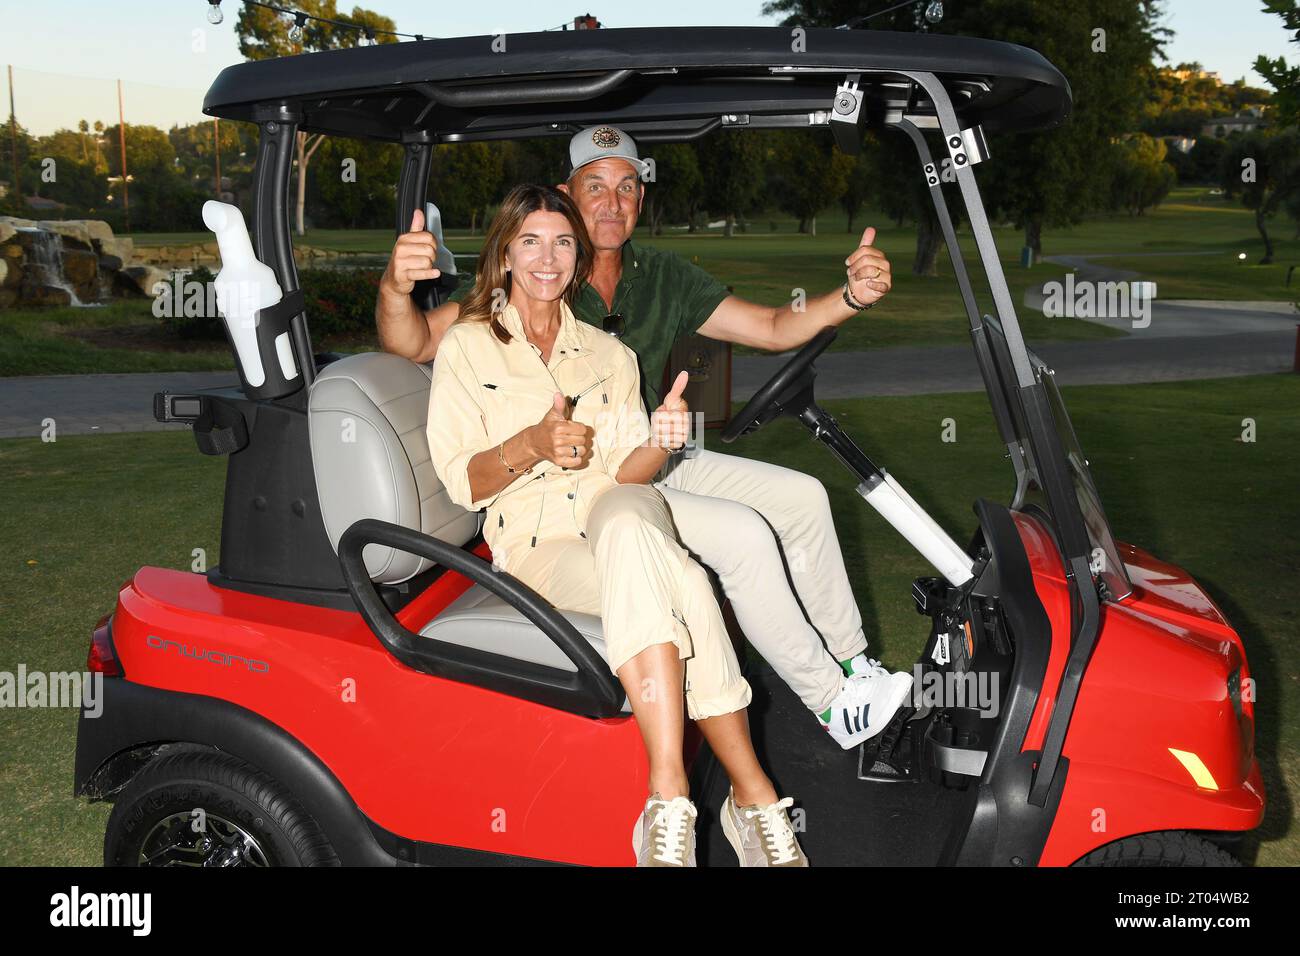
pixel 429 759
pixel 1158 679
pixel 449 763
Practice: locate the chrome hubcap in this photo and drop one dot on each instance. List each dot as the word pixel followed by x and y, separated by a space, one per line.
pixel 186 839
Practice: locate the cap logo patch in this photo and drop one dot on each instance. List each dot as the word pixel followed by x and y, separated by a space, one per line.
pixel 606 137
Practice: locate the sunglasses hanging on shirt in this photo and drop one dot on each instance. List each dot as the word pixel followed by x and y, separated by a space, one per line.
pixel 614 324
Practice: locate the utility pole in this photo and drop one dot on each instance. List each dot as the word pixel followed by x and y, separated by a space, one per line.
pixel 216 152
pixel 13 134
pixel 121 140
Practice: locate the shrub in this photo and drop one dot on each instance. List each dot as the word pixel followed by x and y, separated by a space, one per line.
pixel 203 327
pixel 338 302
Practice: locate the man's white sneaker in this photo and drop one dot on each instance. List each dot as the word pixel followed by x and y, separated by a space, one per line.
pixel 860 665
pixel 761 836
pixel 865 705
pixel 665 833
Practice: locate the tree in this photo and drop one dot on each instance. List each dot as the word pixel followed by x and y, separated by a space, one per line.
pixel 1285 79
pixel 352 183
pixel 809 174
pixel 1264 170
pixel 76 182
pixel 544 161
pixel 147 149
pixel 467 177
pixel 1176 105
pixel 732 168
pixel 195 145
pixel 264 34
pixel 1043 178
pixel 675 192
pixel 857 187
pixel 1142 176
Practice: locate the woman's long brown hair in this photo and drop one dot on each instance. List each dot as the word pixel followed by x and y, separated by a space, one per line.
pixel 521 201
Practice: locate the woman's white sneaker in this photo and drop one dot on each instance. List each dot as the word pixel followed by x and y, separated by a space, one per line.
pixel 761 836
pixel 665 833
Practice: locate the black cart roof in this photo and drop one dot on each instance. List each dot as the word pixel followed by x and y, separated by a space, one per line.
pixel 660 84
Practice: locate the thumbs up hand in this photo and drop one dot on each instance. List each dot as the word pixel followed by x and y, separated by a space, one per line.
pixel 556 438
pixel 670 425
pixel 868 271
pixel 412 259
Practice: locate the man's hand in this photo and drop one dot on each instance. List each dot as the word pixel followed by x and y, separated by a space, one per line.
pixel 412 259
pixel 670 425
pixel 556 438
pixel 868 271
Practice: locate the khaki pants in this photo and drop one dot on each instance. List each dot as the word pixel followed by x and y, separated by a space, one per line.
pixel 631 570
pixel 730 513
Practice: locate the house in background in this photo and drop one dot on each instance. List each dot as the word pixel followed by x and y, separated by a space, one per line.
pixel 41 204
pixel 1251 118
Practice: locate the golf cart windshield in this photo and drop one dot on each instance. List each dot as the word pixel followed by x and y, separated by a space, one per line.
pixel 1107 567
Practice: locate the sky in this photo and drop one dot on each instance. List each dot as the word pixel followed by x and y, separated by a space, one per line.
pixel 166 54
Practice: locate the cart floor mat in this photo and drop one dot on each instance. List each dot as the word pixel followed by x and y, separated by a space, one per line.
pixel 841 820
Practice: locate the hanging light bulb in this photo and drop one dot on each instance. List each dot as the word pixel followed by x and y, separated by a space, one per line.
pixel 215 15
pixel 295 31
pixel 934 11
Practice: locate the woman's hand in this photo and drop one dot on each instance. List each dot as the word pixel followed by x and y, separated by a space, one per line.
pixel 670 425
pixel 414 255
pixel 555 438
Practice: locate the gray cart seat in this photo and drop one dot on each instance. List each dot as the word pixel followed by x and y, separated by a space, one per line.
pixel 367 415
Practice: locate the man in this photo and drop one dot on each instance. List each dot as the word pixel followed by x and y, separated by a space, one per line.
pixel 725 508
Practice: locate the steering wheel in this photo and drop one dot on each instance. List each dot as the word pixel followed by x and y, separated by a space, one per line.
pixel 789 390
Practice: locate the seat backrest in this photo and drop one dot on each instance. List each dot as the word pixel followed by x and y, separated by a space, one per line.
pixel 367 416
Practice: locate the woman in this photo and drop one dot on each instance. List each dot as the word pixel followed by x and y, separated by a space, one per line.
pixel 538 417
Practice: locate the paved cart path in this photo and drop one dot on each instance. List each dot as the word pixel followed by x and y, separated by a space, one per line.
pixel 92 404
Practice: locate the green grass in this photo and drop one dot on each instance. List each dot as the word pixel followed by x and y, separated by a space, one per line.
pixel 1218 277
pixel 85 512
pixel 44 342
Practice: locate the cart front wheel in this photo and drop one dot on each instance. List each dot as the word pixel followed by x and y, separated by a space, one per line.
pixel 1165 848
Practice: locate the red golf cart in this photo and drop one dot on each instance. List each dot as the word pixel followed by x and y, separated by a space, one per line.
pixel 355 684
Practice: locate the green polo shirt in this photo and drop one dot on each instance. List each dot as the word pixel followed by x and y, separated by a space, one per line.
pixel 662 298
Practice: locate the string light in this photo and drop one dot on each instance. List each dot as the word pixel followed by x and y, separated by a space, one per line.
pixel 368 35
pixel 933 13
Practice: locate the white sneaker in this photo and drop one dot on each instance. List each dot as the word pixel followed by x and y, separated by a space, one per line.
pixel 865 705
pixel 761 836
pixel 665 833
pixel 860 665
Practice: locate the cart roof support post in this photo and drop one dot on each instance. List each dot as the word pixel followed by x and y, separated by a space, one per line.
pixel 278 137
pixel 933 174
pixel 1049 456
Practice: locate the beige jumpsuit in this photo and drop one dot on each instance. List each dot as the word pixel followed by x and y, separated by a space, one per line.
pixel 578 537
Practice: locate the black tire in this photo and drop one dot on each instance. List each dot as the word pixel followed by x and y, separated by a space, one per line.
pixel 1164 848
pixel 247 818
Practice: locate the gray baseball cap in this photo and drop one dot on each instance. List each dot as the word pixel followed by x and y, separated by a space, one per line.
pixel 602 142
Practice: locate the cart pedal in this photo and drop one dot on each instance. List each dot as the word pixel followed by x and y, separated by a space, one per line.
pixel 888 756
